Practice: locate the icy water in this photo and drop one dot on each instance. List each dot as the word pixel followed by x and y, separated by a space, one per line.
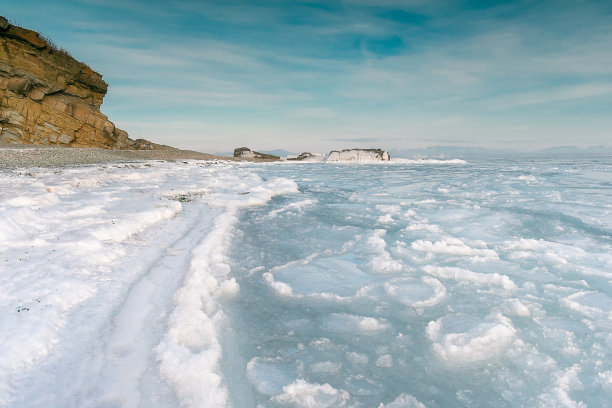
pixel 414 284
pixel 480 284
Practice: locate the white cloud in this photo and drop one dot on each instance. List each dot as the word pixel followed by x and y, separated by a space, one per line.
pixel 552 95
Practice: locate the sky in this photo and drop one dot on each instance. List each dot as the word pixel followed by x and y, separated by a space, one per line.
pixel 322 75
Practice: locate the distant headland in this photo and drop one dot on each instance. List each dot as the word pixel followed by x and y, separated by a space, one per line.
pixel 344 156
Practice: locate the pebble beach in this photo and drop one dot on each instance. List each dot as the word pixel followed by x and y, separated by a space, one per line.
pixel 25 156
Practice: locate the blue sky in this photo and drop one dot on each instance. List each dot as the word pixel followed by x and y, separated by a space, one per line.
pixel 317 75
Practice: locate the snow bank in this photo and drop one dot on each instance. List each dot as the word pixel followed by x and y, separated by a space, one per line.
pixel 67 242
pixel 190 352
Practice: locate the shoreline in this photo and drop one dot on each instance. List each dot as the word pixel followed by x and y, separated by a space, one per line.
pixel 23 156
pixel 15 156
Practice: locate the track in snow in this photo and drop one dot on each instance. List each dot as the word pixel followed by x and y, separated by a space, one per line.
pixel 100 299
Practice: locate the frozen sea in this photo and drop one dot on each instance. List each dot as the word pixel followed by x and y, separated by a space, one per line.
pixel 429 283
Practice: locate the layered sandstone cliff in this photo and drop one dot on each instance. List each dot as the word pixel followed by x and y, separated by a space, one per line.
pixel 47 97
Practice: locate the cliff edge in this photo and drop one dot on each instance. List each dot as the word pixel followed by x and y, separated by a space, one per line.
pixel 358 155
pixel 49 98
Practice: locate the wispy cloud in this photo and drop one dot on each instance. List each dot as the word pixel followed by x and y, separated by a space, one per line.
pixel 548 96
pixel 377 71
pixel 315 113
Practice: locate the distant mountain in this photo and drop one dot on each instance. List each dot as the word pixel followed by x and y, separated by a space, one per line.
pixel 454 152
pixel 279 152
pixel 462 152
pixel 225 154
pixel 569 151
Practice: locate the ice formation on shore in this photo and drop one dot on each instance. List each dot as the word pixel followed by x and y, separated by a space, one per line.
pixel 358 156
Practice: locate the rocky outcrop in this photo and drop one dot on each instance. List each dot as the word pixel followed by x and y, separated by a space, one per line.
pixel 47 97
pixel 306 156
pixel 358 155
pixel 246 153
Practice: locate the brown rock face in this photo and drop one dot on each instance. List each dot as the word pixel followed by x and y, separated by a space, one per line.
pixel 47 97
pixel 246 153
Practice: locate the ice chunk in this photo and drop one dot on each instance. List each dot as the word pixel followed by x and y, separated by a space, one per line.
pixel 467 276
pixel 404 401
pixel 363 386
pixel 303 394
pixel 454 246
pixel 347 323
pixel 517 308
pixel 357 359
pixel 384 361
pixel 325 367
pixel 281 288
pixel 326 278
pixel 592 304
pixel 559 395
pixel 423 292
pixel 382 261
pixel 269 376
pixel 459 340
pixel 292 208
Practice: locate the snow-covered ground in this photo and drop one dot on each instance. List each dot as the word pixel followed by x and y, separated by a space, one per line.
pixel 110 277
pixel 398 284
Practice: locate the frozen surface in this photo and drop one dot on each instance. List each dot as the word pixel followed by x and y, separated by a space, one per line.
pixel 404 284
pixel 426 283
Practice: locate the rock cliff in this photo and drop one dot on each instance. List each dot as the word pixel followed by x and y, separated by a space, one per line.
pixel 246 153
pixel 358 155
pixel 47 97
pixel 307 156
